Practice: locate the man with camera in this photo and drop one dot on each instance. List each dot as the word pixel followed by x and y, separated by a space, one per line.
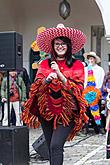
pixel 17 96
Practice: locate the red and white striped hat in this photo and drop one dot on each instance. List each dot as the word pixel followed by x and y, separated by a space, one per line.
pixel 76 36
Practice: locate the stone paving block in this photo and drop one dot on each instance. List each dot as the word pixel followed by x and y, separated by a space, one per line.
pixel 99 162
pixel 77 150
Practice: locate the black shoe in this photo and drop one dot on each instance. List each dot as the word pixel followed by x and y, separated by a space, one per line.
pixel 97 130
pixel 102 131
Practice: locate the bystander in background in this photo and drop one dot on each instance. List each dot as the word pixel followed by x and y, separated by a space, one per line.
pixel 25 76
pixel 94 76
pixel 17 96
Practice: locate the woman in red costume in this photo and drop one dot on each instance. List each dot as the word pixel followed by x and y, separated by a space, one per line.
pixel 56 95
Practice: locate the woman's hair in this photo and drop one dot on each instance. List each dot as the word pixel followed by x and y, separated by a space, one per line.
pixel 68 54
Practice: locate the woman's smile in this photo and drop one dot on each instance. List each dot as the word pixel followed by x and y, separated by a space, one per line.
pixel 60 47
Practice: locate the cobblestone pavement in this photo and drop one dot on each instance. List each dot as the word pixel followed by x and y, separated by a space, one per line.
pixel 83 150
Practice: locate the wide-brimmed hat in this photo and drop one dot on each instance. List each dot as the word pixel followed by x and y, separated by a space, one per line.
pixel 93 54
pixel 76 36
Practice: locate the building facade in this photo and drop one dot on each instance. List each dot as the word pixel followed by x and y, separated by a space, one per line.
pixel 90 16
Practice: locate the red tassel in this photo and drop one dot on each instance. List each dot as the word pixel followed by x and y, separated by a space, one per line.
pixel 55 122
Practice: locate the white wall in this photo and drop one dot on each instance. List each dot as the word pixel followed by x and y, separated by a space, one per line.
pixel 105 50
pixel 25 16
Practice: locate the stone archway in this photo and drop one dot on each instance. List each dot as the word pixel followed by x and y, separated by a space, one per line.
pixel 97 31
pixel 105 11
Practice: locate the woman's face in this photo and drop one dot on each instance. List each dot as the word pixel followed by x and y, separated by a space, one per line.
pixel 60 48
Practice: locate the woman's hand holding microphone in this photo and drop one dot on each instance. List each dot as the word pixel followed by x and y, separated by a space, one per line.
pixel 56 73
pixel 55 67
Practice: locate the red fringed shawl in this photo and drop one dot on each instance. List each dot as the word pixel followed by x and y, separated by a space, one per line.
pixel 61 109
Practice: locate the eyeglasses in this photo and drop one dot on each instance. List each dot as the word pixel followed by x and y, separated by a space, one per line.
pixel 60 44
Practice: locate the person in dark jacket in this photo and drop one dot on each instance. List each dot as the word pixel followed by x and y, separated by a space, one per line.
pixel 17 96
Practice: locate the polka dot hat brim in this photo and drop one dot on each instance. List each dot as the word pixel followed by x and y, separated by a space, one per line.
pixel 76 36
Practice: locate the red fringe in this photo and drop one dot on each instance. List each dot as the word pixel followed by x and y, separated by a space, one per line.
pixel 33 106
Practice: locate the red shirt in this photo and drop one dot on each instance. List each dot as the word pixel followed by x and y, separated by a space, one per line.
pixel 75 73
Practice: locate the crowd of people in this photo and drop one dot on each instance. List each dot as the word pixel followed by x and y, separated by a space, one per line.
pixel 66 95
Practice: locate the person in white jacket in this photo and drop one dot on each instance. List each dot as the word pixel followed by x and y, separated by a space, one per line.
pixel 98 75
pixel 98 71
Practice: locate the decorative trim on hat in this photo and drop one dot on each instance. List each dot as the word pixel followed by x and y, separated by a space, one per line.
pixel 45 38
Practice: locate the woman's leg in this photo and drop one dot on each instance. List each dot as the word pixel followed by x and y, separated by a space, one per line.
pixel 47 128
pixel 59 137
pixel 55 140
